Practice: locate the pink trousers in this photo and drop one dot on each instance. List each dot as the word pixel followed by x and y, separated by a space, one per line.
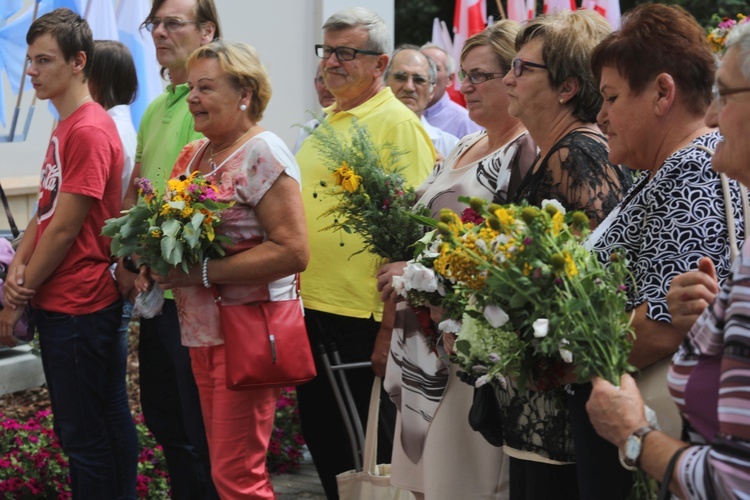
pixel 238 427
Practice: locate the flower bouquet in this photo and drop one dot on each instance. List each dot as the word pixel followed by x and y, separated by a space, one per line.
pixel 372 197
pixel 718 34
pixel 536 300
pixel 170 230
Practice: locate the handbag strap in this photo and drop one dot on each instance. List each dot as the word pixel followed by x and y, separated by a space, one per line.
pixel 11 220
pixel 370 454
pixel 728 207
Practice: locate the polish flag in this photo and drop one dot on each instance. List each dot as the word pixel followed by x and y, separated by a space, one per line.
pixel 468 19
pixel 551 6
pixel 610 9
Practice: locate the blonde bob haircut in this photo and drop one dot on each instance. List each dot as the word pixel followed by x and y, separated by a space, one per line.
pixel 568 40
pixel 501 38
pixel 243 69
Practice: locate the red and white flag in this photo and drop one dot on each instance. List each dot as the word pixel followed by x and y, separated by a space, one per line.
pixel 468 19
pixel 551 6
pixel 521 10
pixel 610 9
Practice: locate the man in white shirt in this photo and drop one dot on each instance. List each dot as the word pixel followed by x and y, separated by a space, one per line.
pixel 411 76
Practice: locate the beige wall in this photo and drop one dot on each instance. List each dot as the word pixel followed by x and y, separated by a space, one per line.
pixel 283 32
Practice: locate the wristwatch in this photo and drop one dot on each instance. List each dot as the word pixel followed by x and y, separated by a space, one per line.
pixel 633 447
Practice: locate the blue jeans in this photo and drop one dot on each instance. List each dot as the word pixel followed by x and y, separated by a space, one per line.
pixel 84 360
pixel 171 405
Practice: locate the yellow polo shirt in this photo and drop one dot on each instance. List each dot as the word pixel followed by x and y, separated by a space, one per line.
pixel 333 282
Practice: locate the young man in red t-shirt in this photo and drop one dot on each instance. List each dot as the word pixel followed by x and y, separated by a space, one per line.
pixel 62 267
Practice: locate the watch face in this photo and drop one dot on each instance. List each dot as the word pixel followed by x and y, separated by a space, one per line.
pixel 632 448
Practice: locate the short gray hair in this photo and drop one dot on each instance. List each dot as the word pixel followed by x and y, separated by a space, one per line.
pixel 431 66
pixel 740 36
pixel 450 64
pixel 378 38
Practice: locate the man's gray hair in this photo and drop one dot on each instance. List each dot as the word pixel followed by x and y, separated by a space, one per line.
pixel 431 66
pixel 450 65
pixel 378 38
pixel 740 36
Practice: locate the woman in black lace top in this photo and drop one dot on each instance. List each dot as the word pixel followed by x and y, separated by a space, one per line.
pixel 553 93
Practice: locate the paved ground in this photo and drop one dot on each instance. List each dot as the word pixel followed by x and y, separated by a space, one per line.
pixel 301 485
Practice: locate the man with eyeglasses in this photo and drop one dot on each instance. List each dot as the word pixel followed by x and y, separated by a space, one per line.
pixel 169 396
pixel 339 290
pixel 411 76
pixel 441 111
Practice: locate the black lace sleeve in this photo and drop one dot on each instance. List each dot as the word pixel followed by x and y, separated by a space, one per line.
pixel 577 173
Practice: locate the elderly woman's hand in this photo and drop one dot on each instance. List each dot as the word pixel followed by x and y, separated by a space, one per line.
pixel 615 412
pixel 385 278
pixel 176 278
pixel 690 293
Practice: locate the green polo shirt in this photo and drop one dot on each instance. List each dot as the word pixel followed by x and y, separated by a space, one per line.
pixel 166 127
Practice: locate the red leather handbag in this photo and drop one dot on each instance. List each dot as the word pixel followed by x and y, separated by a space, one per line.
pixel 266 344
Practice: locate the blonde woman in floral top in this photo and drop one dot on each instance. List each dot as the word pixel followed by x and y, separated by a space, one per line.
pixel 229 90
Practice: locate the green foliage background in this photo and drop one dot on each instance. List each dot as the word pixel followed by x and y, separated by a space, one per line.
pixel 414 17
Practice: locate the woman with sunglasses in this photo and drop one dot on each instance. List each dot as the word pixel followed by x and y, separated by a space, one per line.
pixel 552 91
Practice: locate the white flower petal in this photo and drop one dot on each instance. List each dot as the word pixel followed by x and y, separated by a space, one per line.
pixel 495 316
pixel 555 204
pixel 565 354
pixel 541 328
pixel 449 326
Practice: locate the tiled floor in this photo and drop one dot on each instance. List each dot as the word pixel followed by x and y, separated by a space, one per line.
pixel 301 485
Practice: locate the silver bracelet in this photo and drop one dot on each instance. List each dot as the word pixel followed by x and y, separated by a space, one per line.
pixel 205 273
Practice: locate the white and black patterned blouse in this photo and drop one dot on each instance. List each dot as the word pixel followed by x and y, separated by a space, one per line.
pixel 667 224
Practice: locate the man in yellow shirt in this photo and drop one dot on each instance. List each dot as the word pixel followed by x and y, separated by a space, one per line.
pixel 340 294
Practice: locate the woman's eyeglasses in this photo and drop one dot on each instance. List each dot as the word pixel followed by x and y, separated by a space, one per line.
pixel 477 77
pixel 519 65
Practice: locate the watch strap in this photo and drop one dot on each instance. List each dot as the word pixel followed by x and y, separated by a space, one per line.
pixel 639 433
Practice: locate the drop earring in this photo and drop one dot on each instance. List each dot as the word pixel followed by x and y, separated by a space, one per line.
pixel 243 107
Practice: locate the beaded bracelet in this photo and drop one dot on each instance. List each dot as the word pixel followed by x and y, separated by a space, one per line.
pixel 205 273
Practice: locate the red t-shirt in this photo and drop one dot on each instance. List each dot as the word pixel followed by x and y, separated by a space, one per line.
pixel 84 157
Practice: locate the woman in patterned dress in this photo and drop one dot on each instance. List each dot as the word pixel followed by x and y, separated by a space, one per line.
pixel 710 373
pixel 436 454
pixel 655 75
pixel 553 92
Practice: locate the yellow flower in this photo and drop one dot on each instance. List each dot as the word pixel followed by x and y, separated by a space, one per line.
pixel 570 265
pixel 341 173
pixel 165 209
pixel 156 233
pixel 351 182
pixel 505 217
pixel 557 223
pixel 186 212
